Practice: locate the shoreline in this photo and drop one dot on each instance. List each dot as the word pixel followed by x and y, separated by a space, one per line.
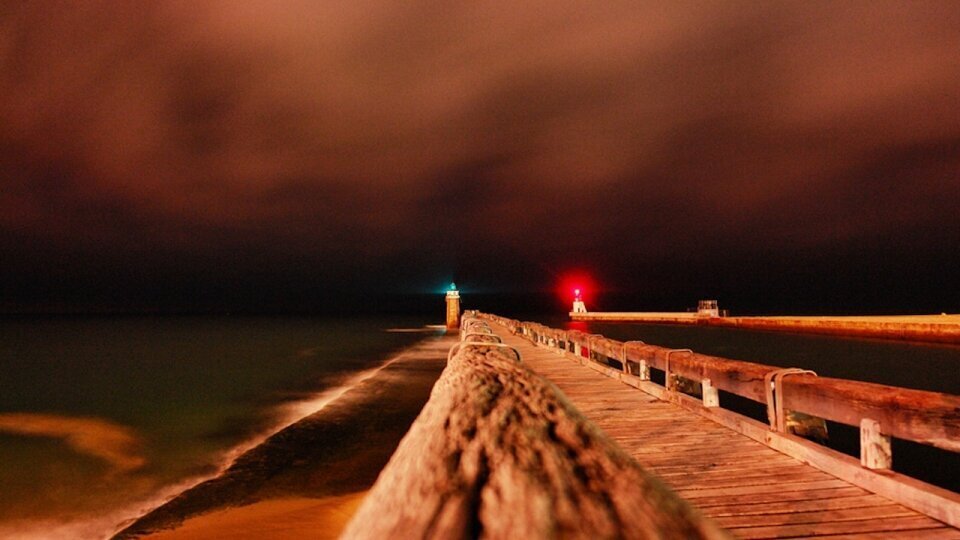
pixel 334 451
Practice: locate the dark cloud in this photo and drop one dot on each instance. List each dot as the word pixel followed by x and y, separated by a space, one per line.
pixel 146 148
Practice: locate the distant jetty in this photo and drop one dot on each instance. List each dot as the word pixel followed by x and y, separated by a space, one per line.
pixel 925 328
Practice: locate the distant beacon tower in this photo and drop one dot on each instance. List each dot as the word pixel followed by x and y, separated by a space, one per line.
pixel 453 308
pixel 578 305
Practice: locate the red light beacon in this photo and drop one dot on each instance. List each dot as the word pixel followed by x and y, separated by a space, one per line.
pixel 578 305
pixel 580 285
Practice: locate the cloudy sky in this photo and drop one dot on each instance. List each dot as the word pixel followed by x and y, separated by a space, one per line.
pixel 185 154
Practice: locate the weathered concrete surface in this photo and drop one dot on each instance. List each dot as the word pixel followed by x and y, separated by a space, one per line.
pixel 498 452
pixel 929 328
pixel 647 317
pixel 926 328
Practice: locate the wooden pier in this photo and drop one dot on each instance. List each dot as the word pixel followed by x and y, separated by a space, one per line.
pixel 747 478
pixel 745 486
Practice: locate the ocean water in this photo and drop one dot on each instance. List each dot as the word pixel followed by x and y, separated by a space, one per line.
pixel 103 417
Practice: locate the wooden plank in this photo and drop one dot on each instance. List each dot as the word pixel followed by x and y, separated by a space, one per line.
pixel 667 438
pixel 693 494
pixel 696 453
pixel 740 473
pixel 942 533
pixel 767 461
pixel 720 500
pixel 820 516
pixel 789 507
pixel 720 474
pixel 680 431
pixel 681 441
pixel 692 482
pixel 657 464
pixel 652 446
pixel 841 527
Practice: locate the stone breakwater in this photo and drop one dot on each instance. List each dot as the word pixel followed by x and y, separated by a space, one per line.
pixel 922 328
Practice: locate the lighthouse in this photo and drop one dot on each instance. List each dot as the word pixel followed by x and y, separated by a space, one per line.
pixel 578 305
pixel 453 308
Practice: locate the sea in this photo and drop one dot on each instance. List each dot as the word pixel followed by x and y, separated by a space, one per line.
pixel 103 418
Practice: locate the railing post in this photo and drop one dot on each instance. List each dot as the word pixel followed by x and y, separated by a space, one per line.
pixel 623 353
pixel 875 450
pixel 773 382
pixel 644 371
pixel 711 396
pixel 590 340
pixel 668 381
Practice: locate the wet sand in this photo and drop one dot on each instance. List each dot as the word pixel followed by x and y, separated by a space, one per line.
pixel 297 517
pixel 309 474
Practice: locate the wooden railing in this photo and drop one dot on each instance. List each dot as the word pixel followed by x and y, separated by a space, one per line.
pixel 497 452
pixel 879 411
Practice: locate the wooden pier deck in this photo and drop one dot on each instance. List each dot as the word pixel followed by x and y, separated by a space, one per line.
pixel 746 487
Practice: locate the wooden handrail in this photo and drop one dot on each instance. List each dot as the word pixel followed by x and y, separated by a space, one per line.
pixel 931 418
pixel 498 452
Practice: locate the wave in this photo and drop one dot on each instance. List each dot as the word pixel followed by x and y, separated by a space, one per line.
pixel 113 443
pixel 286 414
pixel 88 435
pixel 428 329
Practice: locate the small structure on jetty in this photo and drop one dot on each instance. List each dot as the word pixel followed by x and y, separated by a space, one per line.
pixel 708 308
pixel 537 432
